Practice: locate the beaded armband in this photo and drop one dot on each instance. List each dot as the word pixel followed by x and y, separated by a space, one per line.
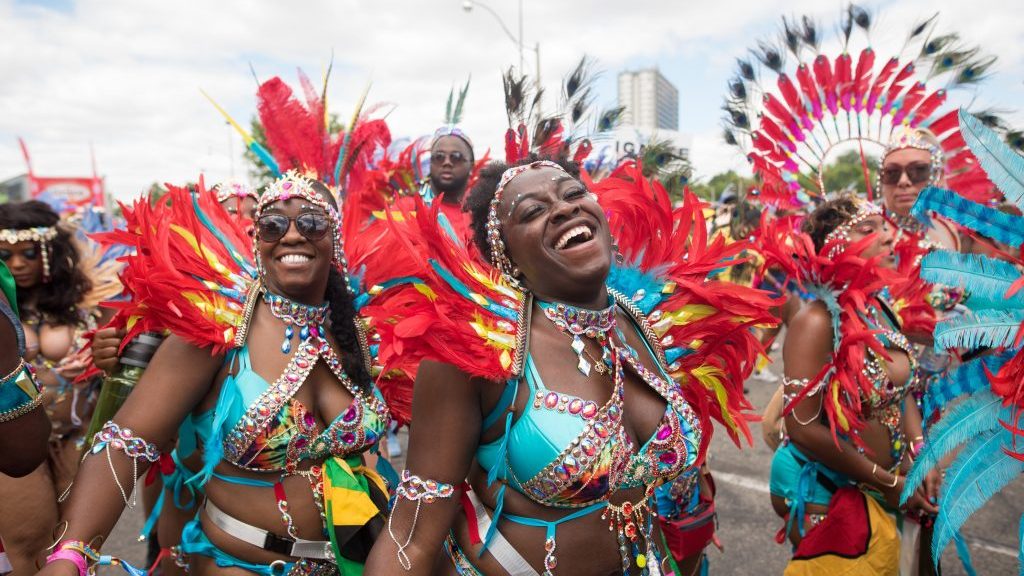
pixel 412 487
pixel 112 436
pixel 800 384
pixel 19 392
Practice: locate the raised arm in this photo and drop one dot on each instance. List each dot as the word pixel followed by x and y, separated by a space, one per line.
pixel 442 441
pixel 179 376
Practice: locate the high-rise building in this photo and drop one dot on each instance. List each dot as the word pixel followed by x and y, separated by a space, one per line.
pixel 651 101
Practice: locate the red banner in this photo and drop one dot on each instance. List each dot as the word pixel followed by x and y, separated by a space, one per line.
pixel 73 191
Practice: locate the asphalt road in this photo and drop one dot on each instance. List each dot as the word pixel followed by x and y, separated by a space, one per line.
pixel 746 522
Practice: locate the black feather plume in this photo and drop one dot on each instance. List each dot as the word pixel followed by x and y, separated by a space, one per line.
pixel 938 44
pixel 515 97
pixel 861 17
pixel 609 119
pixel 730 137
pixel 1015 140
pixel 746 69
pixel 769 55
pixel 846 25
pixel 809 34
pixel 974 70
pixel 791 35
pixel 993 118
pixel 737 89
pixel 737 115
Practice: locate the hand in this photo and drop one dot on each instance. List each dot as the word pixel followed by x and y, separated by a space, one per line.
pixel 73 365
pixel 105 345
pixel 925 498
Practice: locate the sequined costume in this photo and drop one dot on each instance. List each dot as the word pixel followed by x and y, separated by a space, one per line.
pixel 563 451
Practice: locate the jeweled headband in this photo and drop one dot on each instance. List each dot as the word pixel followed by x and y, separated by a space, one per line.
pixel 235 189
pixel 293 185
pixel 841 235
pixel 907 137
pixel 451 130
pixel 42 235
pixel 499 259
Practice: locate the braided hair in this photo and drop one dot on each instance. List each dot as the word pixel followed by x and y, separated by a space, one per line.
pixel 343 315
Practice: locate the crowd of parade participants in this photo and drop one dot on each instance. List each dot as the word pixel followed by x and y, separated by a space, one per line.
pixel 559 334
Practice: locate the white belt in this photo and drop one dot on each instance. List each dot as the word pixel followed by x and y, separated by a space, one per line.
pixel 297 548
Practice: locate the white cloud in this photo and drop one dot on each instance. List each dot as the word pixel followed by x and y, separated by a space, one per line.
pixel 125 75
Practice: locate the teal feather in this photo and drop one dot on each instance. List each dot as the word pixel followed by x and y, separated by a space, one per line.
pixel 1006 228
pixel 457 285
pixel 240 260
pixel 976 415
pixel 1020 539
pixel 630 281
pixel 1004 167
pixel 264 155
pixel 981 470
pixel 987 279
pixel 962 551
pixel 964 380
pixel 979 329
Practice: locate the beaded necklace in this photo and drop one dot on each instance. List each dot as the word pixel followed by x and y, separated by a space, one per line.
pixel 579 322
pixel 309 318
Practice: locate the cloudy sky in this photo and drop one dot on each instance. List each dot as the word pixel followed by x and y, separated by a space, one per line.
pixel 124 75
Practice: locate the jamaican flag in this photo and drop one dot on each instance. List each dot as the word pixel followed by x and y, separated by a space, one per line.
pixel 356 504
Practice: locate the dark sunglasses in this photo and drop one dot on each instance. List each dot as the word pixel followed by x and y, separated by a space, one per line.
pixel 916 173
pixel 455 157
pixel 30 254
pixel 272 227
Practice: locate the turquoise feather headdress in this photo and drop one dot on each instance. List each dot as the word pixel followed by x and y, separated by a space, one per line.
pixel 985 426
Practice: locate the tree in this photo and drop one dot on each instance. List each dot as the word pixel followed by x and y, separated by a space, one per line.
pixel 259 174
pixel 712 189
pixel 846 173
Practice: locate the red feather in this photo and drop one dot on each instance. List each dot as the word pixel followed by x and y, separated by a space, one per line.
pixel 879 84
pixel 895 87
pixel 924 111
pixel 796 106
pixel 910 100
pixel 809 89
pixel 827 82
pixel 865 62
pixel 844 80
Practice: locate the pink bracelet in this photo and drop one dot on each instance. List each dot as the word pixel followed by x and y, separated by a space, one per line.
pixel 74 556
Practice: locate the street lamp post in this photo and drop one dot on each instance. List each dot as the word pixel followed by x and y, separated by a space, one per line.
pixel 468 6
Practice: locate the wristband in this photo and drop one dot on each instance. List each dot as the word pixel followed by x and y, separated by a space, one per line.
pixel 74 556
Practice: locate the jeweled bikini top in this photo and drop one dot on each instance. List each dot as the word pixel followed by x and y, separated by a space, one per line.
pixel 276 431
pixel 568 452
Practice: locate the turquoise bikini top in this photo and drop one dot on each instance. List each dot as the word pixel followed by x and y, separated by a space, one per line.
pixel 567 452
pixel 260 426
